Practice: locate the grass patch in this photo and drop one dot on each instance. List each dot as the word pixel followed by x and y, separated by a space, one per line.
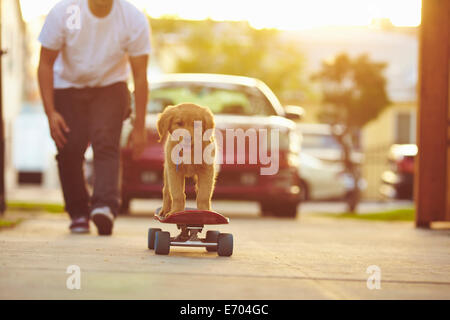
pixel 406 214
pixel 5 223
pixel 24 209
pixel 32 206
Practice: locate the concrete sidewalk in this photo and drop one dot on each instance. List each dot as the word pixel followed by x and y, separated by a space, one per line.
pixel 308 258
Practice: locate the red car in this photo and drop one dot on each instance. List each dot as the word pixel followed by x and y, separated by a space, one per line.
pixel 398 181
pixel 237 102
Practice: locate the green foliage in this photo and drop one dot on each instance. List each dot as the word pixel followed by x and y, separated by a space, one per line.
pixel 231 48
pixel 354 90
pixel 354 93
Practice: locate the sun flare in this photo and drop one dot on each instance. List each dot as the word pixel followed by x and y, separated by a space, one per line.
pixel 280 14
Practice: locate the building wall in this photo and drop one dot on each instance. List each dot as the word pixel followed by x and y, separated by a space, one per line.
pixel 377 138
pixel 13 76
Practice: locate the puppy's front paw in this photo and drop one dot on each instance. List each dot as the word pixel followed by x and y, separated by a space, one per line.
pixel 164 211
pixel 169 213
pixel 174 210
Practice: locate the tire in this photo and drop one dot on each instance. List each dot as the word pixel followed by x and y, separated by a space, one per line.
pixel 151 237
pixel 266 209
pixel 280 209
pixel 162 242
pixel 212 236
pixel 287 210
pixel 225 245
pixel 304 191
pixel 125 205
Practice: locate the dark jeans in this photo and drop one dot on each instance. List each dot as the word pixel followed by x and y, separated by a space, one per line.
pixel 93 115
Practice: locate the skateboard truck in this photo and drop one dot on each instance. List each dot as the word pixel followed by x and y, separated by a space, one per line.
pixel 188 233
pixel 191 222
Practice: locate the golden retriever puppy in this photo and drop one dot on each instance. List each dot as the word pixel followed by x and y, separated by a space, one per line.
pixel 182 116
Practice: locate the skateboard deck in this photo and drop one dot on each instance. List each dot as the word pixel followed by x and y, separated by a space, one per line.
pixel 193 216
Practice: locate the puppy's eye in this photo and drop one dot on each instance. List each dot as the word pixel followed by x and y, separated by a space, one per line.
pixel 179 123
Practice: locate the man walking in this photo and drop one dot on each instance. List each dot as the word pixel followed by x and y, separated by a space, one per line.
pixel 83 69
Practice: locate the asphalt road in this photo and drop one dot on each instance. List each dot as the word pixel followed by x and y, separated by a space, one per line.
pixel 307 258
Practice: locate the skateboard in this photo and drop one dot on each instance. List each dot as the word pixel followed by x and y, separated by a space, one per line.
pixel 191 222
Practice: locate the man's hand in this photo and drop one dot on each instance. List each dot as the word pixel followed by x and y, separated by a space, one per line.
pixel 138 141
pixel 58 128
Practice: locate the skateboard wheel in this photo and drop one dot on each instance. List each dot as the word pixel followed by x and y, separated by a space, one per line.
pixel 162 242
pixel 212 236
pixel 151 237
pixel 225 245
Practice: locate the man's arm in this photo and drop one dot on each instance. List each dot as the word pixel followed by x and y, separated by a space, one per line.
pixel 58 126
pixel 139 134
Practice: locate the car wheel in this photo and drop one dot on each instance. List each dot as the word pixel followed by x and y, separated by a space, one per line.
pixel 304 191
pixel 266 209
pixel 288 210
pixel 285 210
pixel 279 209
pixel 125 205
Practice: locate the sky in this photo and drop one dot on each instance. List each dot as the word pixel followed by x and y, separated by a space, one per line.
pixel 280 14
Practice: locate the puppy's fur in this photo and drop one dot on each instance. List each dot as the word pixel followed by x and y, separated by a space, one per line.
pixel 174 197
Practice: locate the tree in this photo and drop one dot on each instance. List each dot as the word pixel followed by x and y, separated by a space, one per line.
pixel 354 93
pixel 234 48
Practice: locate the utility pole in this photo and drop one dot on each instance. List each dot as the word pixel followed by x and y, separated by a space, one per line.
pixel 2 131
pixel 432 170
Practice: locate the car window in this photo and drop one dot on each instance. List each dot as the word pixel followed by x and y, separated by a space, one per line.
pixel 306 159
pixel 320 141
pixel 235 101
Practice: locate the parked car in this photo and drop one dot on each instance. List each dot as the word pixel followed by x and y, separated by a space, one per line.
pixel 318 141
pixel 321 180
pixel 398 181
pixel 237 102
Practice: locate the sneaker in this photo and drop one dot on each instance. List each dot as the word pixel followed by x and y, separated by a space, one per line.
pixel 103 219
pixel 80 225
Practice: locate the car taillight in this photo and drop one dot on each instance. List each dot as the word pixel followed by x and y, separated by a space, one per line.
pixel 288 148
pixel 406 165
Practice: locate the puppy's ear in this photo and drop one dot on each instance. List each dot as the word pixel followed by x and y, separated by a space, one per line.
pixel 164 122
pixel 208 120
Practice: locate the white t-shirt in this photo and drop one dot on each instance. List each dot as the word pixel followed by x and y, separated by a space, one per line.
pixel 94 51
